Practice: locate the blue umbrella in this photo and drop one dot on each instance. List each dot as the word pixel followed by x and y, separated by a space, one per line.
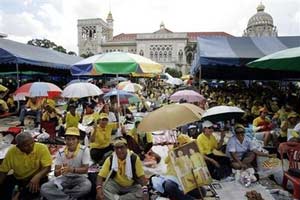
pixel 122 94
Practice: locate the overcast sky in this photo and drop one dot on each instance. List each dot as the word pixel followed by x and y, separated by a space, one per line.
pixel 56 20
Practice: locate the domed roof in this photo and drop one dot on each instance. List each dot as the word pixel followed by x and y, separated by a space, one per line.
pixel 261 17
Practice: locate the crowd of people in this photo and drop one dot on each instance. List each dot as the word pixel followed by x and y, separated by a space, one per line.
pixel 270 116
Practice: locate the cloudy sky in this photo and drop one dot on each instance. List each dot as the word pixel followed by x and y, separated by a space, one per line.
pixel 56 20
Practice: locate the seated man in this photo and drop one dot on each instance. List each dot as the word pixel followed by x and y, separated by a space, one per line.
pixel 241 151
pixel 263 126
pixel 32 106
pixel 101 138
pixel 144 141
pixel 30 162
pixel 50 114
pixel 123 174
pixel 218 165
pixel 72 118
pixel 71 167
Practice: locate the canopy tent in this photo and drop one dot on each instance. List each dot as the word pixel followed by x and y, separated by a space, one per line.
pixel 226 57
pixel 12 52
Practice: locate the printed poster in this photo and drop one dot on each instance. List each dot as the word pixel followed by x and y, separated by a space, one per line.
pixel 189 165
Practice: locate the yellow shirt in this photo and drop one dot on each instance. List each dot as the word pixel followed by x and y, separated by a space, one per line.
pixel 103 136
pixel 89 118
pixel 170 167
pixel 71 120
pixel 3 105
pixel 10 102
pixel 120 176
pixel 25 165
pixel 133 133
pixel 206 144
pixel 33 106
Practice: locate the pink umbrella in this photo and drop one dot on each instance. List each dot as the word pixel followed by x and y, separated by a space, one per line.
pixel 188 95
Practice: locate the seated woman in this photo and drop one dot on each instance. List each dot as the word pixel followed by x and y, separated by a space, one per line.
pixel 218 166
pixel 241 151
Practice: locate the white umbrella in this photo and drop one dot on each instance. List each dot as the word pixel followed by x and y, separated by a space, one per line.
pixel 222 113
pixel 80 90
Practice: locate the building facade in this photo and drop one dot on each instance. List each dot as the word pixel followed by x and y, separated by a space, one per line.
pixel 163 46
pixel 260 24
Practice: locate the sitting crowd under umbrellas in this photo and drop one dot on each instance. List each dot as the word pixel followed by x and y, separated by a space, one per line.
pixel 119 152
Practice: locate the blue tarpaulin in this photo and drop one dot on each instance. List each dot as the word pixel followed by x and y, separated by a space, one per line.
pixel 12 52
pixel 226 57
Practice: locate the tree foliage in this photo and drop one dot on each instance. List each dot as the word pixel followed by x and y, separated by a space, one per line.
pixel 45 43
pixel 86 55
pixel 174 72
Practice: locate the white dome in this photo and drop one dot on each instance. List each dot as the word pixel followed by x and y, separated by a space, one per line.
pixel 260 18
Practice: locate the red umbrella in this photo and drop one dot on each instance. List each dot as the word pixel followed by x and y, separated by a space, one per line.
pixel 37 89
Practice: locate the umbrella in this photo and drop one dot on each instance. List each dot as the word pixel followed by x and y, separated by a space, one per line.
pixel 129 87
pixel 169 117
pixel 115 63
pixel 125 97
pixel 286 60
pixel 76 81
pixel 122 94
pixel 37 89
pixel 222 113
pixel 188 95
pixel 80 90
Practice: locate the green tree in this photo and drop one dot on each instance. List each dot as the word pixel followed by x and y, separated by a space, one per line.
pixel 190 51
pixel 86 55
pixel 174 72
pixel 45 43
pixel 72 53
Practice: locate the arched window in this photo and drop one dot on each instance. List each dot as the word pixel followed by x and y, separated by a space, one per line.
pixel 141 52
pixel 156 55
pixel 151 54
pixel 160 55
pixel 170 55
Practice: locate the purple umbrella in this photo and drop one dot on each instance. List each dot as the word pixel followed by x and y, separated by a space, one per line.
pixel 188 95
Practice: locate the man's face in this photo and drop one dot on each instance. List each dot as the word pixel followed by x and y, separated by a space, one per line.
pixel 121 151
pixel 72 142
pixel 208 130
pixel 103 122
pixel 27 146
pixel 240 134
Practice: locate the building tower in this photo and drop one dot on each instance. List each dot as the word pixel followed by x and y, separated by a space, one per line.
pixel 110 24
pixel 260 24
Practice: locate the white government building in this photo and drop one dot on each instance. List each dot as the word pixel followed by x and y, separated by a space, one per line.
pixel 164 46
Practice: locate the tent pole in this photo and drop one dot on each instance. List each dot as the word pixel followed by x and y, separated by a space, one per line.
pixel 18 85
pixel 118 99
pixel 200 71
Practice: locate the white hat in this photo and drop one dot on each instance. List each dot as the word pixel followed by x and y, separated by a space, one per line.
pixel 207 124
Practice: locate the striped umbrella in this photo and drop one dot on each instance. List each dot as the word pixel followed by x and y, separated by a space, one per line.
pixel 37 89
pixel 129 86
pixel 115 63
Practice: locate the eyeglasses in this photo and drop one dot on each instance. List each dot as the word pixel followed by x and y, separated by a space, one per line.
pixel 209 127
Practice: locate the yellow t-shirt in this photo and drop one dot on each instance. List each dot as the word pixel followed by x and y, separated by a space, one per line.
pixel 103 136
pixel 3 105
pixel 25 165
pixel 133 133
pixel 33 106
pixel 72 121
pixel 10 102
pixel 170 167
pixel 120 176
pixel 206 144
